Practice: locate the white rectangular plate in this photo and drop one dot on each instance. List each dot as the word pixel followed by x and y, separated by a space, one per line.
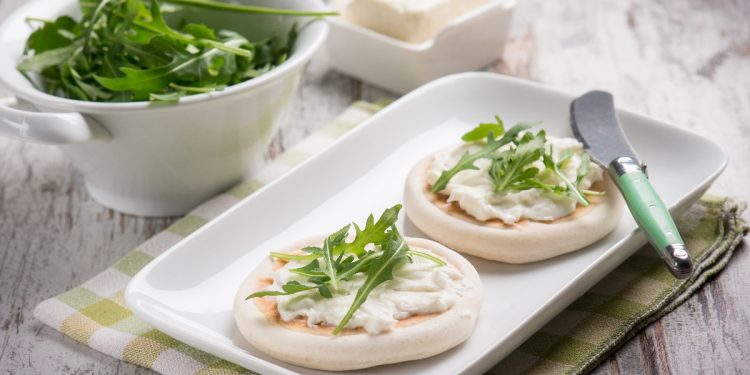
pixel 187 292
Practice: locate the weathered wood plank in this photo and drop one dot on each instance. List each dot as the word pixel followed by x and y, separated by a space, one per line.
pixel 687 62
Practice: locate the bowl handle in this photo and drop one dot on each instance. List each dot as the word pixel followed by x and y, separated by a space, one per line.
pixel 46 128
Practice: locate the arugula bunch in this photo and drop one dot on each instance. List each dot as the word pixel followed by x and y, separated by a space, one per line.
pixel 124 50
pixel 338 260
pixel 513 169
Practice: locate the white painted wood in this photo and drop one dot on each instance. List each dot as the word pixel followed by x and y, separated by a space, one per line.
pixel 684 61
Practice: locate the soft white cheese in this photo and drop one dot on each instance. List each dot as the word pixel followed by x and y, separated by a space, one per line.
pixel 417 288
pixel 473 190
pixel 413 21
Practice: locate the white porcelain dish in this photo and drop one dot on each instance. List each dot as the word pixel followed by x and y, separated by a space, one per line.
pixel 158 160
pixel 467 43
pixel 188 291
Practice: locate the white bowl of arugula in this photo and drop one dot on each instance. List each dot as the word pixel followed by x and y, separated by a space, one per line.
pixel 160 104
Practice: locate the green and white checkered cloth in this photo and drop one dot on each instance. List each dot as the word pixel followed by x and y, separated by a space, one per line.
pixel 637 293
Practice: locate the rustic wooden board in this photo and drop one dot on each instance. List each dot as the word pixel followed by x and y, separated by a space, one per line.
pixel 684 61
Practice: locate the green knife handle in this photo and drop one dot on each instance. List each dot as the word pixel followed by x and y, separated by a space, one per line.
pixel 651 215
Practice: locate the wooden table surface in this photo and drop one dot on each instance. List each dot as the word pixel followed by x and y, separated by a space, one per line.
pixel 683 61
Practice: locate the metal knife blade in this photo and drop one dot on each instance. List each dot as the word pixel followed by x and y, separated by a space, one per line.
pixel 595 124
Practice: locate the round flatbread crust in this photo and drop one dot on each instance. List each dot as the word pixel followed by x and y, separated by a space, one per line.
pixel 526 242
pixel 356 350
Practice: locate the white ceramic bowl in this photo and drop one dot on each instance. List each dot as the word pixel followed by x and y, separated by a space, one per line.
pixel 468 42
pixel 158 160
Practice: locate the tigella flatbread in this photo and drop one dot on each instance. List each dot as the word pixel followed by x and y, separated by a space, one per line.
pixel 428 305
pixel 517 198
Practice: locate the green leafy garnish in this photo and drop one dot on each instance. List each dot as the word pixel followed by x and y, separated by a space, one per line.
pixel 571 188
pixel 304 257
pixel 373 232
pixel 211 4
pixel 431 257
pixel 332 264
pixel 312 269
pixel 482 131
pixel 381 270
pixel 291 287
pixel 124 50
pixel 486 152
pixel 338 260
pixel 512 168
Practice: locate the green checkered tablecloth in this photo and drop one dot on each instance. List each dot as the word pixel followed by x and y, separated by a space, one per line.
pixel 637 293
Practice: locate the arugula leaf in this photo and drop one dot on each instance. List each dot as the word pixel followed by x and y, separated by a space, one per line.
pixel 53 35
pixel 512 165
pixel 325 292
pixel 144 83
pixel 529 124
pixel 466 162
pixel 331 263
pixel 431 257
pixel 92 91
pixel 497 128
pixel 572 189
pixel 381 270
pixel 292 287
pixel 312 269
pixel 373 232
pixel 216 5
pixel 361 265
pixel 87 6
pixel 482 131
pixel 200 31
pixel 512 169
pixel 171 97
pixel 294 257
pixel 49 58
pixel 124 50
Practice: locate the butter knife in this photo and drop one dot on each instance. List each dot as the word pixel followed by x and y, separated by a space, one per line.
pixel 595 124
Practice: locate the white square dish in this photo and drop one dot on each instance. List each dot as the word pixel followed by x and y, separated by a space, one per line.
pixel 188 291
pixel 468 42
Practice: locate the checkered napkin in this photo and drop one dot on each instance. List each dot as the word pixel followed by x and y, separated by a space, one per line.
pixel 637 293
